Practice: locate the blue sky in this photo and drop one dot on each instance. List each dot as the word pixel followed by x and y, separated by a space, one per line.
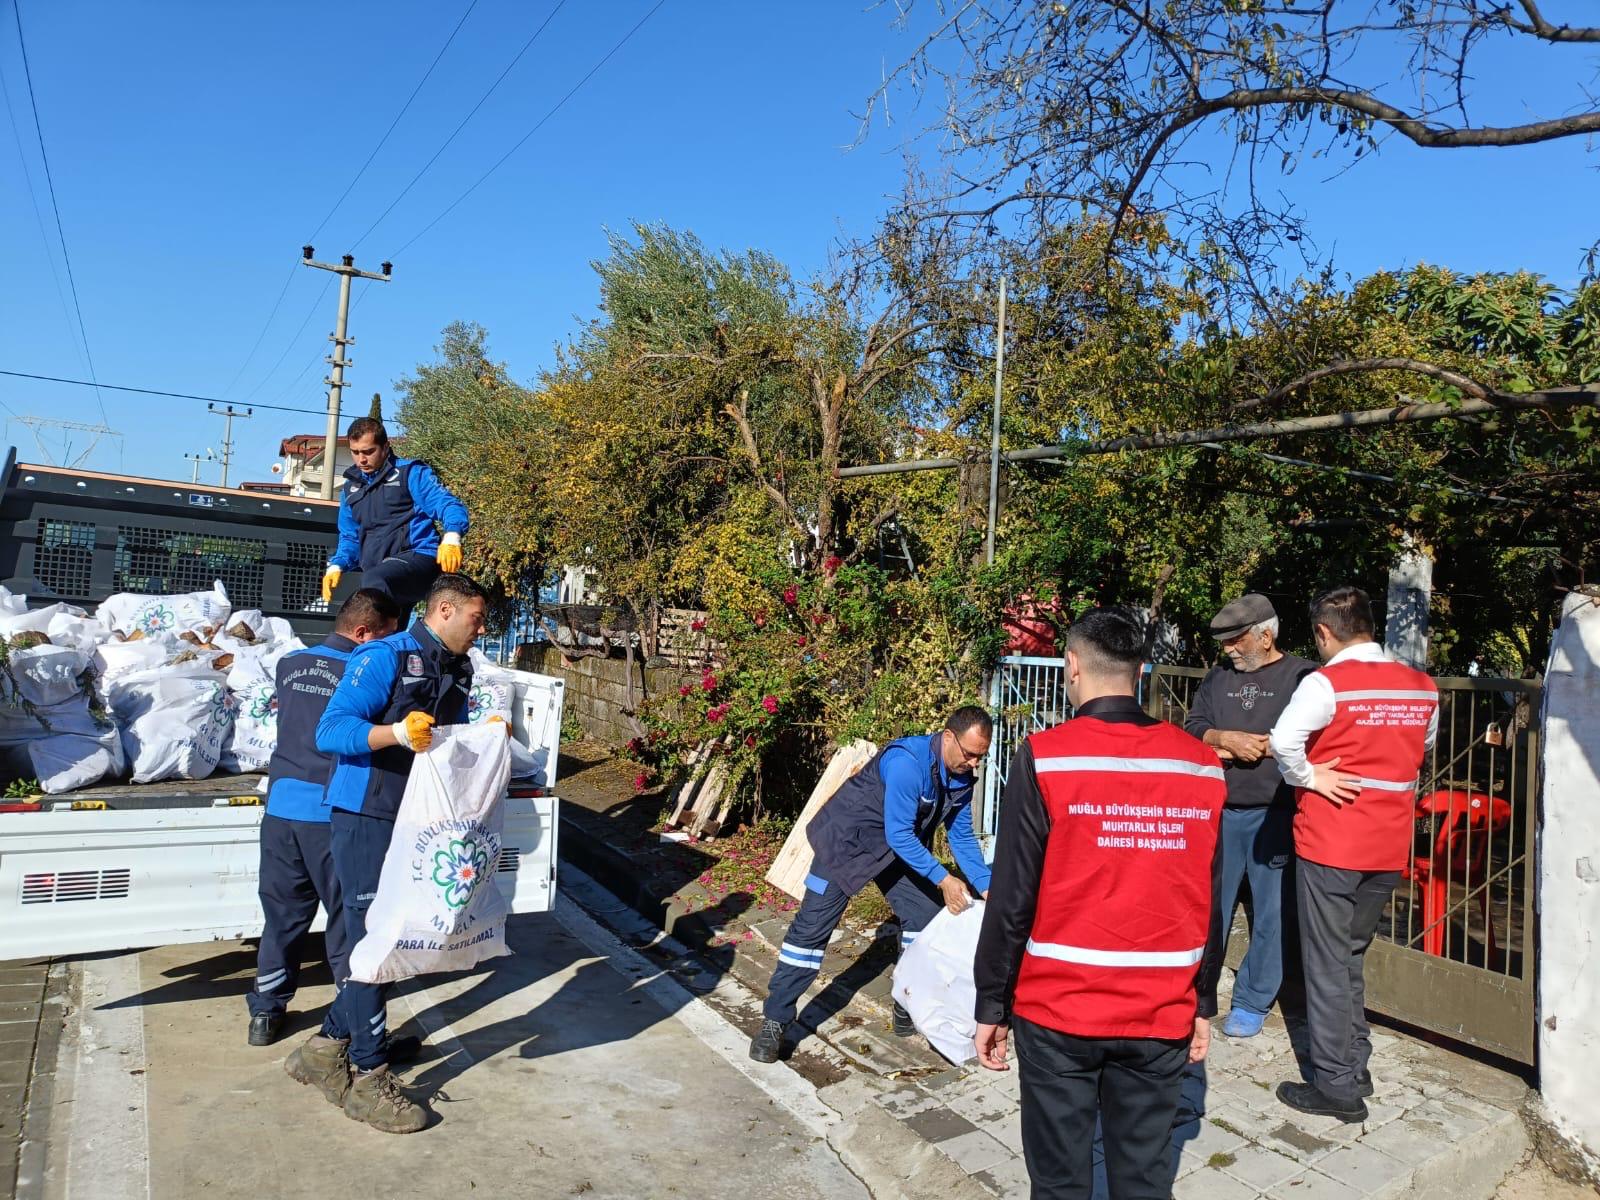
pixel 195 146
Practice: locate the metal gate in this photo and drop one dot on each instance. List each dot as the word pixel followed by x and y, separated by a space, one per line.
pixel 1455 951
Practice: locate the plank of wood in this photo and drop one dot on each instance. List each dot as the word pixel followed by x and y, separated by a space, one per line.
pixel 690 785
pixel 793 863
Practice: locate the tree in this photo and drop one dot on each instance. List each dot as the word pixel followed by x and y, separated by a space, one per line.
pixel 1051 108
pixel 376 411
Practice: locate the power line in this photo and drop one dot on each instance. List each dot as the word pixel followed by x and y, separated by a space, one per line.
pixel 445 144
pixel 38 129
pixel 276 305
pixel 541 123
pixel 114 387
pixel 395 122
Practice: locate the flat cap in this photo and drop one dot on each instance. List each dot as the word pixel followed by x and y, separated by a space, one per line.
pixel 1238 615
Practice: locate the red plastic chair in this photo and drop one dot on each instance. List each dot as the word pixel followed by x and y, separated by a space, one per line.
pixel 1460 854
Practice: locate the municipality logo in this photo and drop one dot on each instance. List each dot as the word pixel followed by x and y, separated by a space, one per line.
pixel 458 868
pixel 154 618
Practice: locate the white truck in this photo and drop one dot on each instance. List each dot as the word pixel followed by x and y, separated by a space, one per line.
pixel 135 865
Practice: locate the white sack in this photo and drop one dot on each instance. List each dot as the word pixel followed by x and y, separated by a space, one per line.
pixel 44 675
pixel 438 907
pixel 84 632
pixel 494 694
pixel 933 982
pixel 18 726
pixel 64 761
pixel 36 620
pixel 254 734
pixel 11 604
pixel 199 613
pixel 174 720
pixel 112 660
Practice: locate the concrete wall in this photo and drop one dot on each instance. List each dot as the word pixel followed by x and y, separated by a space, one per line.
pixel 1569 885
pixel 597 690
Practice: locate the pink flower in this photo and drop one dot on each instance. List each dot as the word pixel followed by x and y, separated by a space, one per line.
pixel 697 624
pixel 832 563
pixel 761 620
pixel 791 595
pixel 684 690
pixel 714 714
pixel 750 741
pixel 635 746
pixel 800 642
pixel 641 781
pixel 770 703
pixel 708 682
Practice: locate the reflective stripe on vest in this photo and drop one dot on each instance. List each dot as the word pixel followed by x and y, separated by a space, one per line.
pixel 1385 694
pixel 1116 958
pixel 1128 766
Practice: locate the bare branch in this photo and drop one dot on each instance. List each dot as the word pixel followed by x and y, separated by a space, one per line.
pixel 1366 365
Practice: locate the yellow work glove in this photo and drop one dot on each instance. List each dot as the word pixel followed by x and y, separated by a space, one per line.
pixel 502 722
pixel 414 732
pixel 450 553
pixel 330 580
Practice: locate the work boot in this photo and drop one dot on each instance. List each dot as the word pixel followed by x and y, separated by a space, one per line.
pixel 1364 1084
pixel 768 1042
pixel 265 1028
pixel 323 1063
pixel 1309 1098
pixel 903 1025
pixel 377 1099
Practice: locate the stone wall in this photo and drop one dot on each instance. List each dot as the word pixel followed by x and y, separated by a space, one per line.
pixel 597 688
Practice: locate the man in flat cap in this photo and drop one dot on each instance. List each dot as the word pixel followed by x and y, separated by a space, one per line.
pixel 1233 710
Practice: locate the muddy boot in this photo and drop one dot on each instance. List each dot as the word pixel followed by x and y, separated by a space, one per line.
pixel 377 1099
pixel 324 1064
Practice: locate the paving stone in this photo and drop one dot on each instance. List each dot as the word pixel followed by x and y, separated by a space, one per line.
pixel 1364 1168
pixel 1380 1113
pixel 939 1125
pixel 981 1104
pixel 1313 1185
pixel 1203 1139
pixel 1209 1183
pixel 14 1073
pixel 1246 1122
pixel 1403 1140
pixel 1471 1104
pixel 1261 1168
pixel 1300 1144
pixel 1453 1124
pixel 975 1151
pixel 1008 1180
pixel 905 1101
pixel 19 1012
pixel 29 993
pixel 1007 1130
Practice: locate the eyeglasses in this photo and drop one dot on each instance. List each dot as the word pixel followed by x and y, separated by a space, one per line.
pixel 970 756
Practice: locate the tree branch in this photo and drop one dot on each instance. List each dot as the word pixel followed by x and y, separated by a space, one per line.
pixel 740 415
pixel 1544 30
pixel 1364 365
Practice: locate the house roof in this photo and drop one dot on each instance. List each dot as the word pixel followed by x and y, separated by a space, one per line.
pixel 308 444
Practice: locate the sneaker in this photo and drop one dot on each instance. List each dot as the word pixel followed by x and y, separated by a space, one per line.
pixel 323 1063
pixel 903 1026
pixel 1242 1023
pixel 1364 1084
pixel 767 1043
pixel 265 1028
pixel 1308 1098
pixel 377 1099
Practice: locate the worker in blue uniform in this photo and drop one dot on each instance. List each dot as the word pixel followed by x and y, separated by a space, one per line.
pixel 389 513
pixel 296 862
pixel 380 716
pixel 878 827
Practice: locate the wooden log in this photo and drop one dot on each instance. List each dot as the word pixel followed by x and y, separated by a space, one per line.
pixel 789 870
pixel 709 799
pixel 688 788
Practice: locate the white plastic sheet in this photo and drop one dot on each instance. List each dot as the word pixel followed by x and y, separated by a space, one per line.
pixel 438 907
pixel 933 982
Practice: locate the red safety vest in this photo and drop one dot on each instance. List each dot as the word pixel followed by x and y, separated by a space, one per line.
pixel 1379 731
pixel 1125 901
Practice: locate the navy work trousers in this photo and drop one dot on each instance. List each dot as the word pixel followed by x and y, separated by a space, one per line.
pixel 1257 844
pixel 406 577
pixel 915 902
pixel 296 874
pixel 358 1012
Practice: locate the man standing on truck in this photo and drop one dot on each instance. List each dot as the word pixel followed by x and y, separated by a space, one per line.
pixel 380 716
pixel 296 863
pixel 877 828
pixel 387 515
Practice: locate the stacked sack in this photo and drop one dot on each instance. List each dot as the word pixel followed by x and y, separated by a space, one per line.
pixel 494 694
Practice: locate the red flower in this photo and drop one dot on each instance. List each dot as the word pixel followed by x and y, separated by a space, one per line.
pixel 800 642
pixel 708 682
pixel 750 741
pixel 641 781
pixel 697 624
pixel 684 690
pixel 761 620
pixel 770 703
pixel 635 746
pixel 714 714
pixel 656 735
pixel 832 563
pixel 791 595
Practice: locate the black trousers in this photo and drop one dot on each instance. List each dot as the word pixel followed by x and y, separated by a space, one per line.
pixel 407 577
pixel 1339 914
pixel 358 1013
pixel 1132 1084
pixel 296 873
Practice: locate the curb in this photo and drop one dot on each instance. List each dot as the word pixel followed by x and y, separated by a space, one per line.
pixel 33 1151
pixel 892 1161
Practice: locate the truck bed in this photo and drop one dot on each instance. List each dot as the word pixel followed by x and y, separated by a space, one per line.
pixel 169 793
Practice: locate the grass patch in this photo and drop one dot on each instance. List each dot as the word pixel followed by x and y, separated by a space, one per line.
pixel 1220 1160
pixel 1226 1128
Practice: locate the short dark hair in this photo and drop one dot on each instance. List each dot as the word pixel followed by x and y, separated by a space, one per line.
pixel 1346 611
pixel 968 717
pixel 459 588
pixel 367 606
pixel 1108 641
pixel 364 427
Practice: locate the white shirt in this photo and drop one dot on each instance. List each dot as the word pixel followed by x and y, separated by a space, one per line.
pixel 1311 708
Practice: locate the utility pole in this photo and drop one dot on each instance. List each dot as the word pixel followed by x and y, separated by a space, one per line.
pixel 67 429
pixel 994 432
pixel 197 459
pixel 228 414
pixel 335 381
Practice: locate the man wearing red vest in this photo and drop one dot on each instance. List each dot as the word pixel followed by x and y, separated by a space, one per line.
pixel 1351 741
pixel 1099 949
